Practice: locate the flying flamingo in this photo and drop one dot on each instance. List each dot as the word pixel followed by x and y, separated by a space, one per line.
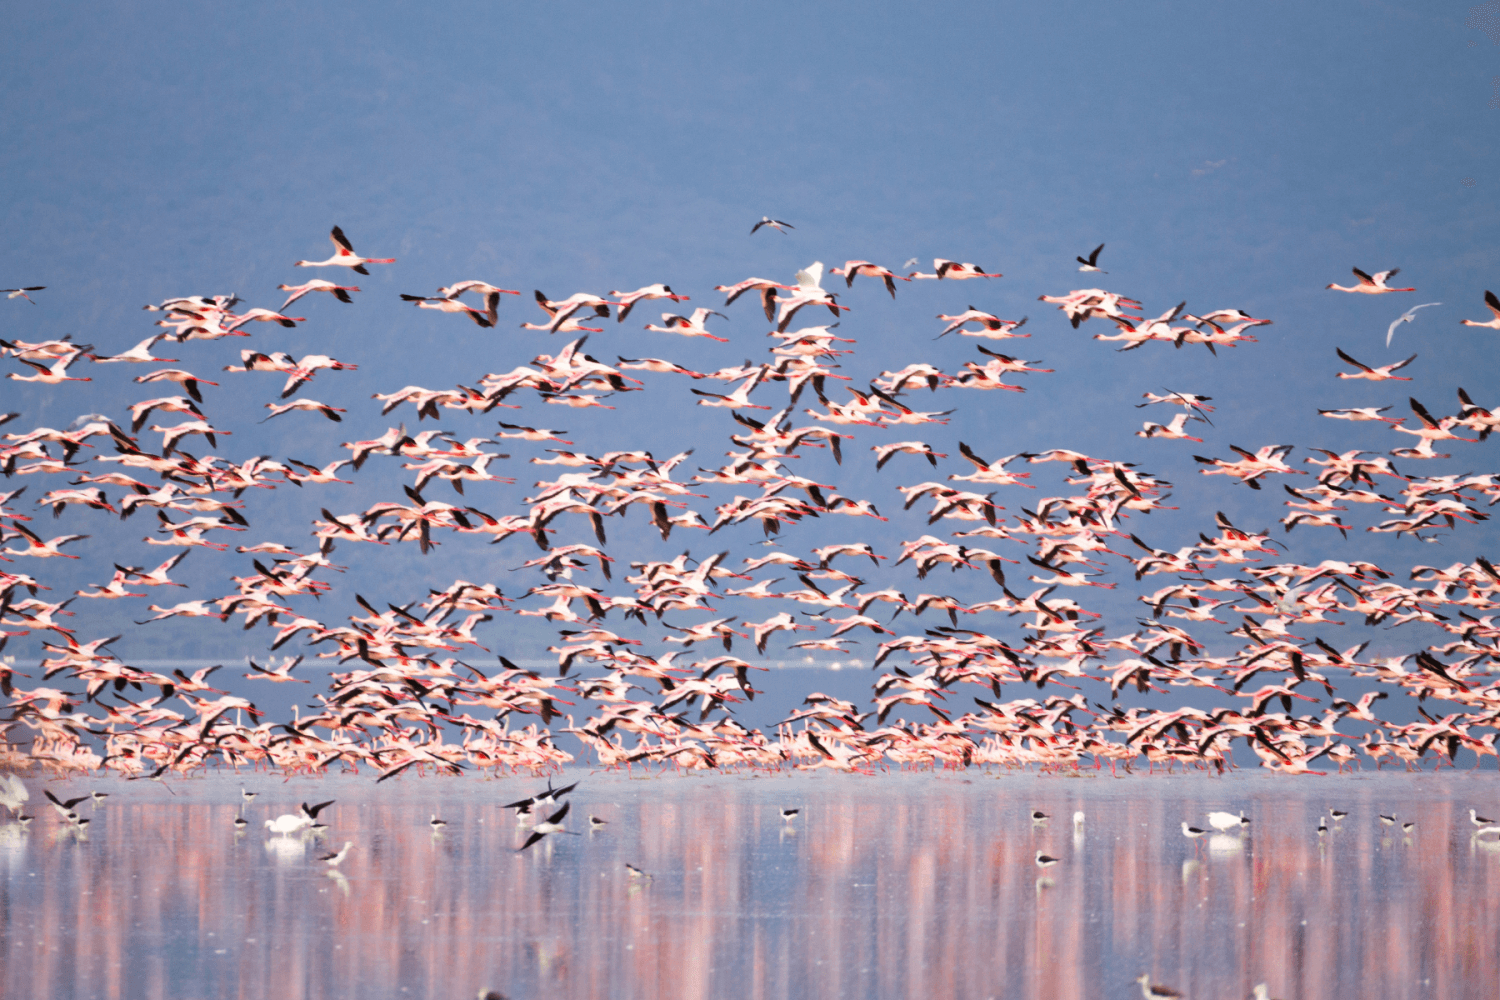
pixel 344 256
pixel 954 271
pixel 139 353
pixel 20 293
pixel 341 292
pixel 39 549
pixel 854 268
pixel 54 375
pixel 263 316
pixel 766 288
pixel 1494 306
pixel 1375 374
pixel 1092 261
pixel 1372 284
pixel 656 291
pixel 1173 431
pixel 689 326
pixel 484 317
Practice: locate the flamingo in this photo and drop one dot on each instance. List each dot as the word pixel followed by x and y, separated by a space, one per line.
pixel 765 287
pixel 854 268
pixel 689 326
pixel 1372 284
pixel 629 299
pixel 20 293
pixel 331 412
pixel 884 453
pixel 766 220
pixel 560 311
pixel 740 398
pixel 55 375
pixel 344 256
pixel 340 292
pixel 1494 306
pixel 1364 413
pixel 954 271
pixel 1091 262
pixel 484 317
pixel 263 316
pixel 1173 431
pixel 991 327
pixel 1375 374
pixel 313 474
pixel 38 549
pixel 137 354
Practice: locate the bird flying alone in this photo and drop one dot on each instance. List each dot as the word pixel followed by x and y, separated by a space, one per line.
pixel 776 224
pixel 344 256
pixel 1372 284
pixel 1406 317
pixel 1091 263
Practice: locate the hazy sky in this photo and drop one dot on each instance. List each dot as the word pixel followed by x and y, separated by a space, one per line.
pixel 1228 155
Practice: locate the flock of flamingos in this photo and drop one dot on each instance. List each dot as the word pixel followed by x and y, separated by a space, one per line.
pixel 995 682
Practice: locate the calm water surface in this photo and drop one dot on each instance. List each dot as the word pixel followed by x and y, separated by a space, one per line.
pixel 902 885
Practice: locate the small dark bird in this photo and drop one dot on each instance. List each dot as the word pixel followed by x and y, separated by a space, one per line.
pixel 1045 860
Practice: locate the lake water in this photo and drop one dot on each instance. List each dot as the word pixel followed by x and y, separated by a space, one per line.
pixel 900 885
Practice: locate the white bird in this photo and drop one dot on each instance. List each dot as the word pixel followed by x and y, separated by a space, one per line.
pixel 809 291
pixel 288 823
pixel 20 293
pixel 1227 821
pixel 1406 317
pixel 13 794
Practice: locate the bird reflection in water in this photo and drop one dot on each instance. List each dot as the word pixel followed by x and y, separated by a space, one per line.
pixel 899 888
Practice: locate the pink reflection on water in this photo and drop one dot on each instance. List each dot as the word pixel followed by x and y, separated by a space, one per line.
pixel 896 886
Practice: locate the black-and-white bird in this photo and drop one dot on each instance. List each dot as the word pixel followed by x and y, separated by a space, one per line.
pixel 787 815
pixel 1045 860
pixel 65 809
pixel 1337 814
pixel 1037 816
pixel 545 800
pixel 1155 991
pixel 437 824
pixel 552 824
pixel 20 293
pixel 636 873
pixel 597 823
pixel 779 226
pixel 336 858
pixel 1479 820
pixel 1091 263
